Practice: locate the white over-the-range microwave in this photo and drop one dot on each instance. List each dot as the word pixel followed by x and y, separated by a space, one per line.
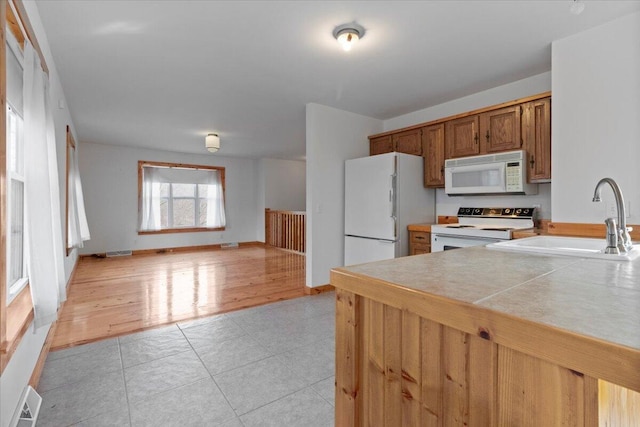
pixel 502 173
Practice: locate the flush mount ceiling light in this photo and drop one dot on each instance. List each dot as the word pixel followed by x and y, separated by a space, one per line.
pixel 348 34
pixel 577 7
pixel 212 142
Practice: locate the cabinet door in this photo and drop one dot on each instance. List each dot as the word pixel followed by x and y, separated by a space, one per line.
pixel 420 249
pixel 433 149
pixel 380 145
pixel 462 137
pixel 500 129
pixel 537 136
pixel 409 142
pixel 419 242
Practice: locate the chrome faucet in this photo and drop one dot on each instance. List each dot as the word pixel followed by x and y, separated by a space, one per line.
pixel 617 234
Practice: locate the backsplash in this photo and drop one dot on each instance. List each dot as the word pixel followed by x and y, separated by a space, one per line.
pixel 448 205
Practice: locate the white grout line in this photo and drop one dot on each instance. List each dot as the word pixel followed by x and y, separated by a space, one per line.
pixel 525 282
pixel 124 381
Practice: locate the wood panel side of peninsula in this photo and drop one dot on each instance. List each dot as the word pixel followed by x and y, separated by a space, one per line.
pixel 404 358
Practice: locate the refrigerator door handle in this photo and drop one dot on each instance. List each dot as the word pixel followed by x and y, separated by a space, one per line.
pixel 392 196
pixel 394 204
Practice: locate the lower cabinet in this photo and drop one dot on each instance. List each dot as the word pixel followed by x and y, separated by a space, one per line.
pixel 419 242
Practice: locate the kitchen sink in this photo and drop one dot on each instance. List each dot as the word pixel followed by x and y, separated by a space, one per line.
pixel 569 246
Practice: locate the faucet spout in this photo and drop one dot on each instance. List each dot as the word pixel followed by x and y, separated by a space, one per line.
pixel 624 239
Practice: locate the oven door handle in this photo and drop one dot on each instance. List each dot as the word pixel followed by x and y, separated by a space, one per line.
pixel 457 236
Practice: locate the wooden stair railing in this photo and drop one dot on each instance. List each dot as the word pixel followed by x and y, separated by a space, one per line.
pixel 285 229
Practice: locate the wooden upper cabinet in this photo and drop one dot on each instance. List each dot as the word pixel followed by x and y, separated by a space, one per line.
pixel 380 145
pixel 462 137
pixel 500 129
pixel 536 129
pixel 523 124
pixel 433 149
pixel 408 142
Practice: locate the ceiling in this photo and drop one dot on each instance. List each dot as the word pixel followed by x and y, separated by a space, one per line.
pixel 163 74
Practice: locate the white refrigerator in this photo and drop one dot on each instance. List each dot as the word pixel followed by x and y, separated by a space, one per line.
pixel 383 194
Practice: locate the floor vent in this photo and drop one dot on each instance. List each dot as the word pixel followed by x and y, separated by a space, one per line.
pixel 30 409
pixel 229 245
pixel 118 253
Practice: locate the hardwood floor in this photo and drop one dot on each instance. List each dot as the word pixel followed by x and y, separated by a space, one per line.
pixel 116 296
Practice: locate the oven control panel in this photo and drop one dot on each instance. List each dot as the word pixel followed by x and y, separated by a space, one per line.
pixel 497 212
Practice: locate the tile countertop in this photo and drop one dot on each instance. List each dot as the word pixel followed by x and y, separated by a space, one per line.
pixel 594 298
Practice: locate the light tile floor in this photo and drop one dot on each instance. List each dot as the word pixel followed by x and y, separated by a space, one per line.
pixel 271 365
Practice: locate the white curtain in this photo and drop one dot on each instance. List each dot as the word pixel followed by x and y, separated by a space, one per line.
pixel 150 215
pixel 215 201
pixel 78 230
pixel 43 225
pixel 56 218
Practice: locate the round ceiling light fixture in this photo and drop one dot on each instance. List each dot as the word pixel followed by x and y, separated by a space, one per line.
pixel 212 142
pixel 348 34
pixel 577 7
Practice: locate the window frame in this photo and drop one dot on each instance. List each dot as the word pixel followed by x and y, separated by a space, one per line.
pixel 71 152
pixel 195 229
pixel 14 289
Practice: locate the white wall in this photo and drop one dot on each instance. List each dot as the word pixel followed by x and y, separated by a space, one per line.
pixel 17 373
pixel 285 184
pixel 281 185
pixel 595 116
pixel 518 89
pixel 110 181
pixel 333 136
pixel 448 205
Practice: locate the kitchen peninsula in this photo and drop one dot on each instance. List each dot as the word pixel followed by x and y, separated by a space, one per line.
pixel 485 338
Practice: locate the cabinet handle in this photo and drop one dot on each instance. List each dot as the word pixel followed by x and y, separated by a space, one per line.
pixel 419 238
pixel 488 136
pixel 442 171
pixel 476 137
pixel 531 162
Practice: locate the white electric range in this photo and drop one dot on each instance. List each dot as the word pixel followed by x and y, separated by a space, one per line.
pixel 480 226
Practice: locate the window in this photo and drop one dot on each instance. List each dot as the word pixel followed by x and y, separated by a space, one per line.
pixel 16 265
pixel 176 197
pixel 16 260
pixel 77 229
